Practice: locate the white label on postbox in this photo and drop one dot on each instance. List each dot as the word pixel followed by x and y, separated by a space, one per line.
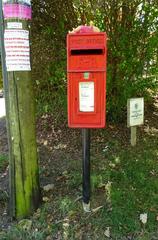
pixel 135 111
pixel 86 96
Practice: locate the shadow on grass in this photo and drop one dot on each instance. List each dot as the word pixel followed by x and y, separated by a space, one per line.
pixel 128 186
pixel 124 182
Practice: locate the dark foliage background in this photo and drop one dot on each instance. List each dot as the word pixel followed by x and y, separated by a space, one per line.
pixel 132 29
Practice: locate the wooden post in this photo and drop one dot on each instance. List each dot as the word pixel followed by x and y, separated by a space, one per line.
pixel 24 176
pixel 133 135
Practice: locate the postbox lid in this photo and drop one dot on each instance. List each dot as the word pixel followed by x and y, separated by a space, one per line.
pixel 83 29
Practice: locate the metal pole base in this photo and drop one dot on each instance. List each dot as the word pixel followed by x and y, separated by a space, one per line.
pixel 86 207
pixel 86 166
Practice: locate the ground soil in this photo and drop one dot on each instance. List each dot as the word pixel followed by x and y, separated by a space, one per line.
pixel 56 145
pixel 59 147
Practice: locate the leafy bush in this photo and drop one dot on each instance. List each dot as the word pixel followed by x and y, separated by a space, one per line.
pixel 132 49
pixel 51 22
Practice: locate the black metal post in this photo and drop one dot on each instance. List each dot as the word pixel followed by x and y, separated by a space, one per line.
pixel 86 165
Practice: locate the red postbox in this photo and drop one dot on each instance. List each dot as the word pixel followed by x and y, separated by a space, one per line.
pixel 86 67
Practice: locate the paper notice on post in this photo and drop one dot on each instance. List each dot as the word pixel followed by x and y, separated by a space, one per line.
pixel 14 25
pixel 86 96
pixel 17 50
pixel 28 2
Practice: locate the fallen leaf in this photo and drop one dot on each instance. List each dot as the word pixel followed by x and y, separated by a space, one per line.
pixel 49 238
pixel 107 232
pixel 111 126
pixel 48 187
pixel 97 209
pixel 143 218
pixel 25 224
pixel 45 199
pixel 106 148
pixel 45 143
pixel 37 213
pixel 60 146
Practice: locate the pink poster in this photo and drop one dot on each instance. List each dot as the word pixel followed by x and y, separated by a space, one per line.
pixel 17 11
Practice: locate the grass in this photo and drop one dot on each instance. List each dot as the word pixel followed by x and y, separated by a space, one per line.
pixel 3 161
pixel 132 174
pixel 124 182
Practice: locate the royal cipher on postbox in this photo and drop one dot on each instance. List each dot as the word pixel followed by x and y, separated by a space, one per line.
pixel 86 72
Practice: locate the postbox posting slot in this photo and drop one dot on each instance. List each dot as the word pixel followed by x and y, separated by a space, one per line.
pixel 97 51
